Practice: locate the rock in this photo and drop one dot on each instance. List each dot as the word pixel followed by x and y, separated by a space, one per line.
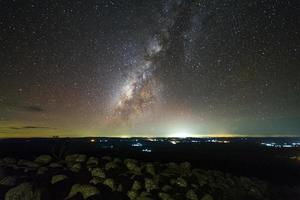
pixel 136 185
pixel 77 196
pixel 8 181
pixel 150 169
pixel 9 160
pixel 98 172
pixel 28 164
pixel 172 169
pixel 144 194
pixel 201 177
pixel 15 167
pixel 86 191
pixel 76 167
pixel 110 165
pixel 191 195
pixel 120 188
pixel 43 159
pixel 194 186
pixel 207 197
pixel 132 194
pixel 133 167
pixel 41 170
pixel 127 160
pixel 58 178
pixel 55 165
pixel 96 180
pixel 117 160
pixel 92 161
pixel 181 182
pixel 166 188
pixel 185 168
pixel 164 196
pixel 255 193
pixel 110 183
pixel 107 158
pixel 23 191
pixel 81 158
pixel 246 183
pixel 149 184
pixel 143 198
pixel 76 158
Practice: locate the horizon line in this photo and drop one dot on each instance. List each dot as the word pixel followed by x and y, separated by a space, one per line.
pixel 124 137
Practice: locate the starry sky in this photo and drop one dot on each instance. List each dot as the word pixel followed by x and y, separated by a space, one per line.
pixel 149 68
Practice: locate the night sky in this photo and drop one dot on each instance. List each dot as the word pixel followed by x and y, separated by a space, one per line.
pixel 149 68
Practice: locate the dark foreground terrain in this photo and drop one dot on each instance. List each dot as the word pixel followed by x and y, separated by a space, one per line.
pixel 93 169
pixel 81 177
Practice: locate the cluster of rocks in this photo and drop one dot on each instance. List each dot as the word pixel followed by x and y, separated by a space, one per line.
pixel 80 177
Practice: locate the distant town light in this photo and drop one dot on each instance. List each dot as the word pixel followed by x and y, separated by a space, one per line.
pixel 137 144
pixel 173 142
pixel 285 145
pixel 147 150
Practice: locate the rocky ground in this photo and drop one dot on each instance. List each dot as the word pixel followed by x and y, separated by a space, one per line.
pixel 78 176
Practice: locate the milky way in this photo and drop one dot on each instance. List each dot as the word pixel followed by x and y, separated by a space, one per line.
pixel 142 89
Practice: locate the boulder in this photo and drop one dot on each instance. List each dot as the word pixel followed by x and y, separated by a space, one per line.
pixel 41 170
pixel 164 196
pixel 132 194
pixel 144 194
pixel 23 191
pixel 255 193
pixel 8 181
pixel 92 161
pixel 171 169
pixel 106 158
pixel 86 191
pixel 207 197
pixel 43 159
pixel 202 178
pixel 98 172
pixel 166 188
pixel 96 180
pixel 76 158
pixel 150 184
pixel 27 163
pixel 9 160
pixel 185 168
pixel 150 169
pixel 136 185
pixel 144 198
pixel 190 194
pixel 58 178
pixel 110 165
pixel 181 182
pixel 120 188
pixel 133 167
pixel 55 165
pixel 127 160
pixel 110 183
pixel 117 160
pixel 75 167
